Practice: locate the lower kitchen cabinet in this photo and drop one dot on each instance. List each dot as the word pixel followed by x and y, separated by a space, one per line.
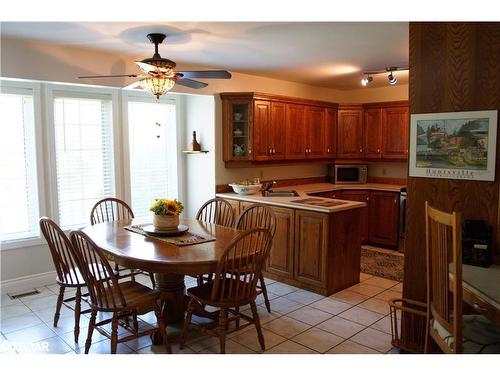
pixel 360 196
pixel 236 208
pixel 311 241
pixel 384 214
pixel 280 261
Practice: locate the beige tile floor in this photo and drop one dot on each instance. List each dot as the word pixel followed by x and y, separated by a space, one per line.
pixel 354 320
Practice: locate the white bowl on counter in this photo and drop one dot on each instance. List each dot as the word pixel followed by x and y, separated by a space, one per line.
pixel 246 189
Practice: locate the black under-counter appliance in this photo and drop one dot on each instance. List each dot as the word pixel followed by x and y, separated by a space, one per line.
pixel 476 243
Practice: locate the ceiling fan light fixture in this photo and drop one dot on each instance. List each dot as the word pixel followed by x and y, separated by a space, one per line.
pixel 157 86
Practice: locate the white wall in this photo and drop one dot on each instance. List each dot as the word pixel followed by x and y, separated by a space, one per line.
pixel 199 175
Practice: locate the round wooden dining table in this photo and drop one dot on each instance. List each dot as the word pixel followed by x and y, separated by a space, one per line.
pixel 169 262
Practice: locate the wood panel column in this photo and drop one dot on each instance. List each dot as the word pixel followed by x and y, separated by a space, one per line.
pixel 453 67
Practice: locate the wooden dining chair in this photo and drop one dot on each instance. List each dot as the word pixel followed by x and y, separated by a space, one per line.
pixel 68 274
pixel 258 216
pixel 446 325
pixel 216 211
pixel 234 285
pixel 122 300
pixel 111 209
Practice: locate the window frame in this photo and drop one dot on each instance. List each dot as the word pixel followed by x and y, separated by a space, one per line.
pixel 23 87
pixel 139 96
pixel 53 91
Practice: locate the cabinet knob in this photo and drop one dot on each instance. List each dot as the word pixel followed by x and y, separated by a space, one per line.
pixel 327 150
pixel 367 198
pixel 378 150
pixel 274 151
pixel 360 150
pixel 249 151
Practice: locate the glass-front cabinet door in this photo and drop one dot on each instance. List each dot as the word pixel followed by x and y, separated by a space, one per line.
pixel 237 129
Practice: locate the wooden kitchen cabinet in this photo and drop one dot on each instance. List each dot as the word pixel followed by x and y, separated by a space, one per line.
pixel 350 132
pixel 331 133
pixel 295 131
pixel 311 238
pixel 395 132
pixel 315 132
pixel 236 207
pixel 384 214
pixel 261 130
pixel 360 196
pixel 373 133
pixel 280 260
pixel 278 130
pixel 237 129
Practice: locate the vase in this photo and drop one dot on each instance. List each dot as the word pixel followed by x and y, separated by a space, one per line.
pixel 166 222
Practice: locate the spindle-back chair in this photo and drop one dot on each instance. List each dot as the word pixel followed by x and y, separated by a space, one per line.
pixel 233 286
pixel 122 300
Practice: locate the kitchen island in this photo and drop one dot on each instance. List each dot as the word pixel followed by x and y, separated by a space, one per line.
pixel 317 245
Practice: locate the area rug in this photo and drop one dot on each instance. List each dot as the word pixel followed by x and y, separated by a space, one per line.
pixel 382 262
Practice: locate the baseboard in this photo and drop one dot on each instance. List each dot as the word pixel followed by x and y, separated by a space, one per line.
pixel 21 284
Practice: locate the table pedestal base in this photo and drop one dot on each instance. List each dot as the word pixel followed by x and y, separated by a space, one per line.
pixel 173 289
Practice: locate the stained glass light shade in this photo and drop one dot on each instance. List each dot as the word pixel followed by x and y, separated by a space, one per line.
pixel 157 85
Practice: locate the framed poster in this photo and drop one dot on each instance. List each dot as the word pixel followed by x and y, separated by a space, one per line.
pixel 454 145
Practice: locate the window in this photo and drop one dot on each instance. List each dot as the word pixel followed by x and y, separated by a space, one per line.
pixel 153 153
pixel 84 157
pixel 18 177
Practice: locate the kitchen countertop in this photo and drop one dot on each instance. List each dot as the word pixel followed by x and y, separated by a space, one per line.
pixel 326 205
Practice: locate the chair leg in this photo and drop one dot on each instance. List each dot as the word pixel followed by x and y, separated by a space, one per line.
pixel 237 310
pixel 114 333
pixel 90 331
pixel 187 322
pixel 60 299
pixel 159 308
pixel 256 321
pixel 264 293
pixel 78 309
pixel 222 330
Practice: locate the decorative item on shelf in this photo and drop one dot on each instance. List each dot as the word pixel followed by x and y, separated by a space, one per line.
pixel 166 214
pixel 238 150
pixel 238 132
pixel 238 116
pixel 195 147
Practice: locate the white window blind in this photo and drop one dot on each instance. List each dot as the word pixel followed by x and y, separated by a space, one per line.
pixel 84 156
pixel 152 140
pixel 18 175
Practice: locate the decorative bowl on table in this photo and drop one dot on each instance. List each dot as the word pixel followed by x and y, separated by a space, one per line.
pixel 166 214
pixel 246 188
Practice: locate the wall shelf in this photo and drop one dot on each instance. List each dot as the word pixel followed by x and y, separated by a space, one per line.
pixel 195 152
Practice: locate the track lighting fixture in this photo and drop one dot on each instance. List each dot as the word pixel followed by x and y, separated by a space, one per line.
pixel 365 81
pixel 392 80
pixel 391 77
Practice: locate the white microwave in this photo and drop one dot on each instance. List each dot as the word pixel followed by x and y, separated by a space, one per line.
pixel 348 174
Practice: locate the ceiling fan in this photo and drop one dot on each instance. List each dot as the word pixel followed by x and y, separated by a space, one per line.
pixel 159 74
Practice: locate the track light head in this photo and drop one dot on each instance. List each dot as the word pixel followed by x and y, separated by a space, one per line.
pixel 392 80
pixel 365 81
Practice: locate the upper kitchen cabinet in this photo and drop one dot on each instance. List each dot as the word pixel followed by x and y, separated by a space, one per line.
pixel 395 132
pixel 295 131
pixel 264 128
pixel 331 133
pixel 350 132
pixel 315 132
pixel 373 133
pixel 386 130
pixel 238 128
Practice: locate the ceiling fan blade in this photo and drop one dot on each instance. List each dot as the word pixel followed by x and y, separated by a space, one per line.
pixel 217 74
pixel 191 83
pixel 111 76
pixel 145 67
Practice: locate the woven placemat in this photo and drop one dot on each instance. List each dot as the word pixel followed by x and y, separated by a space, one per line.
pixel 185 239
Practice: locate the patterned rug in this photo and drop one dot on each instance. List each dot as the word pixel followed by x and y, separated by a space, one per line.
pixel 382 262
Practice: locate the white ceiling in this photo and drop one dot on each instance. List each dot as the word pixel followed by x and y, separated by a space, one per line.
pixel 332 54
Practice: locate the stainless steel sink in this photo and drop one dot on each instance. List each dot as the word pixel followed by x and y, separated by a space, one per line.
pixel 280 193
pixel 320 202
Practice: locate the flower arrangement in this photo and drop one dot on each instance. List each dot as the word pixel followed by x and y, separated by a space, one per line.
pixel 166 207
